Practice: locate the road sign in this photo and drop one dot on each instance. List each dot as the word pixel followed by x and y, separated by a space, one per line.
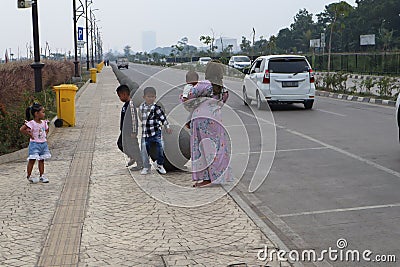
pixel 315 43
pixel 81 44
pixel 367 39
pixel 80 33
pixel 322 40
pixel 24 3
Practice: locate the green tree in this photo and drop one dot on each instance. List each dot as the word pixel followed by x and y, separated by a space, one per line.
pixel 284 40
pixel 372 15
pixel 385 37
pixel 272 44
pixel 207 40
pixel 245 45
pixel 179 47
pixel 156 56
pixel 332 15
pixel 260 46
pixel 302 29
pixel 127 51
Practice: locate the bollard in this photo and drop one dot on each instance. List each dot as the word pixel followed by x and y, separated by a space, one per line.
pixel 100 66
pixel 93 74
pixel 65 100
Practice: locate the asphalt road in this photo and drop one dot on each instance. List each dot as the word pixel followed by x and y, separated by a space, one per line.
pixel 335 171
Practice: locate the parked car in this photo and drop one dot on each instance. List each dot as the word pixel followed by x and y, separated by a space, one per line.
pixel 122 62
pixel 239 62
pixel 204 60
pixel 398 114
pixel 279 79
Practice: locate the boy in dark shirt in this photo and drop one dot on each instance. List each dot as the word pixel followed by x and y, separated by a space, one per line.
pixel 127 141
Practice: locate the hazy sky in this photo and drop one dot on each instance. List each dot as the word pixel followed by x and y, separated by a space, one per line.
pixel 122 22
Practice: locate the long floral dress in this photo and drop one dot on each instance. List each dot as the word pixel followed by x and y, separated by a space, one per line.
pixel 210 146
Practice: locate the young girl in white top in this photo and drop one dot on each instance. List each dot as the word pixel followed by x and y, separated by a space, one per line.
pixel 37 130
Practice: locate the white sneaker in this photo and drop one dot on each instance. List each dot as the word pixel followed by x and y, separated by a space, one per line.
pixel 159 168
pixel 144 171
pixel 33 180
pixel 43 179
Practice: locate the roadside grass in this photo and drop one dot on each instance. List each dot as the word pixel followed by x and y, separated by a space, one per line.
pixel 17 93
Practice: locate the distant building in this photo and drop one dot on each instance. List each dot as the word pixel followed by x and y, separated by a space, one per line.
pixel 224 42
pixel 149 41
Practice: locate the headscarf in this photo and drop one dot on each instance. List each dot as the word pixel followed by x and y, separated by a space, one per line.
pixel 215 72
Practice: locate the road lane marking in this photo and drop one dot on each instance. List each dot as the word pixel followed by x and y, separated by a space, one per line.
pixel 339 210
pixel 337 149
pixel 282 150
pixel 260 119
pixel 301 149
pixel 354 156
pixel 330 112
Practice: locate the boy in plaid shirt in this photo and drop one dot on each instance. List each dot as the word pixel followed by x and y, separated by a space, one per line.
pixel 153 118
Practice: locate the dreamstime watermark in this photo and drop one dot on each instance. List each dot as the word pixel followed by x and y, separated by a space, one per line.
pixel 338 254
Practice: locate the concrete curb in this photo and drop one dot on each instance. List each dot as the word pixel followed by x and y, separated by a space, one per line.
pixel 22 154
pixel 356 98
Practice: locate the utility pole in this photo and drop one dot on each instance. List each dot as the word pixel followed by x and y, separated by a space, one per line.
pixel 254 41
pixel 91 39
pixel 95 44
pixel 36 65
pixel 87 35
pixel 76 62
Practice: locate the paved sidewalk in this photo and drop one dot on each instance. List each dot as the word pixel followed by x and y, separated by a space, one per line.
pixel 94 213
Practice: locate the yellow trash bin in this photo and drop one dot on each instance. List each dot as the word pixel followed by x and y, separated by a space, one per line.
pixel 93 72
pixel 65 98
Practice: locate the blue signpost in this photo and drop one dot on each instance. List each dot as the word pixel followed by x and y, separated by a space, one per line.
pixel 80 33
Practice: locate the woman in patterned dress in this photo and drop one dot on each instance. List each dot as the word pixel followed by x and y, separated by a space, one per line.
pixel 210 146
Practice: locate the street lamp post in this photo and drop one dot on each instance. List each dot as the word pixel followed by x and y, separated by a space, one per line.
pixel 36 65
pixel 76 62
pixel 95 43
pixel 98 46
pixel 91 39
pixel 87 34
pixel 92 27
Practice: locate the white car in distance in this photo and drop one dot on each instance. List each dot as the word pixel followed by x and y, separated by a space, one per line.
pixel 239 62
pixel 204 60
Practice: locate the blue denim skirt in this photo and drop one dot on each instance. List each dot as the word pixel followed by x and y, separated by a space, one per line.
pixel 38 151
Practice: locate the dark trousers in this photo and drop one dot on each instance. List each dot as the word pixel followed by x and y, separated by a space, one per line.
pixel 119 143
pixel 156 139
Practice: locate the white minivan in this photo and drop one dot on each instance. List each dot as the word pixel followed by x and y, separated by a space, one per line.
pixel 239 62
pixel 279 79
pixel 204 60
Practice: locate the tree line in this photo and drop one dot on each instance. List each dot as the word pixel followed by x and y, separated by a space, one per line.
pixel 339 24
pixel 342 25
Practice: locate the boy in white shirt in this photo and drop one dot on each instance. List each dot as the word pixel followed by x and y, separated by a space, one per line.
pixel 192 79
